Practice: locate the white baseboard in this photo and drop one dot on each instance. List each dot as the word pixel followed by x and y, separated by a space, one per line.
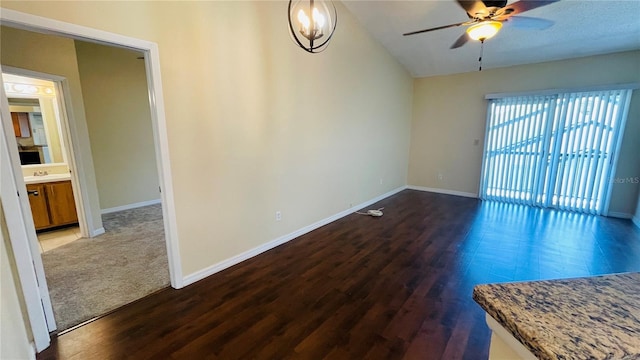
pixel 199 275
pixel 619 215
pixel 443 191
pixel 130 206
pixel 96 232
pixel 636 220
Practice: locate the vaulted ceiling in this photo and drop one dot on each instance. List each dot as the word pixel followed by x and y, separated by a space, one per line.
pixel 581 28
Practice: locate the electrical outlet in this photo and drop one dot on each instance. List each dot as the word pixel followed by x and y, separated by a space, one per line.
pixel 278 216
pixel 380 181
pixel 440 177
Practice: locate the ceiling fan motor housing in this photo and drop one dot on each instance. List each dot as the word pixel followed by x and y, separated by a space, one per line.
pixel 498 4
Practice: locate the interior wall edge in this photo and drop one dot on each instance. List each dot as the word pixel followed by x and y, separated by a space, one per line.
pixel 215 268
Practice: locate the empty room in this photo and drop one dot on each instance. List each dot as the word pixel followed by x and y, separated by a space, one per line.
pixel 329 180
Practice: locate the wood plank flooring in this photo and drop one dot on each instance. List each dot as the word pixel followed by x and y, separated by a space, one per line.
pixel 395 287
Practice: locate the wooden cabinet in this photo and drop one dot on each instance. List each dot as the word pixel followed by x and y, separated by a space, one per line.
pixel 52 204
pixel 62 207
pixel 21 126
pixel 38 202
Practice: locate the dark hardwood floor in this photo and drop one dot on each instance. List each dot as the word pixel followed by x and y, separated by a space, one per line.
pixel 393 287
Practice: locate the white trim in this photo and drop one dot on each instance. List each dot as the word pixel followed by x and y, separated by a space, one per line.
pixel 130 206
pixel 15 205
pixel 96 232
pixel 627 86
pixel 443 191
pixel 31 22
pixel 73 154
pixel 619 215
pixel 161 137
pixel 26 210
pixel 208 271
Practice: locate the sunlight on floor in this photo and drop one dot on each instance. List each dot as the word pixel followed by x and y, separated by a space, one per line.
pixel 53 239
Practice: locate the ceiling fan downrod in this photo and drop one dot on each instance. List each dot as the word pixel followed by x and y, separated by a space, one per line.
pixel 481 53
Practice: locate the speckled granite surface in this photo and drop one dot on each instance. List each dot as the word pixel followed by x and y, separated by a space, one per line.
pixel 584 318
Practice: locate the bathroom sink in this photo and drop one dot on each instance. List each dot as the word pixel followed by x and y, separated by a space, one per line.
pixel 46 178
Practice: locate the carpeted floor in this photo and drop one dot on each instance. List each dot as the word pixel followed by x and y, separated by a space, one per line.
pixel 90 277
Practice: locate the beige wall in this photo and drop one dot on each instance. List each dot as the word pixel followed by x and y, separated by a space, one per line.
pixel 449 113
pixel 116 102
pixel 256 125
pixel 14 337
pixel 57 56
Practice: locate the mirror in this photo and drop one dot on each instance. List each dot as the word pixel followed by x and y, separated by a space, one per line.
pixel 36 121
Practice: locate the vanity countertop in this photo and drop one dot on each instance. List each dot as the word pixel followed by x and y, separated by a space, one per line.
pixel 583 318
pixel 46 178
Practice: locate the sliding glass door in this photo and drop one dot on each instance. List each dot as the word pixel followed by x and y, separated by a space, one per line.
pixel 553 150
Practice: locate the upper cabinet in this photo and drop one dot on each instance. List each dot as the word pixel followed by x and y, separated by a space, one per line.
pixel 21 125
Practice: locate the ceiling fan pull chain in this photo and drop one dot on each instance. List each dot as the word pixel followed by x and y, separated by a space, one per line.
pixel 481 53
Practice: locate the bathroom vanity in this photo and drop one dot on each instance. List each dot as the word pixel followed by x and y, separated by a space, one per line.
pixel 51 200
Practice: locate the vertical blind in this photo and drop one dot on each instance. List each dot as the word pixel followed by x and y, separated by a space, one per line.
pixel 553 150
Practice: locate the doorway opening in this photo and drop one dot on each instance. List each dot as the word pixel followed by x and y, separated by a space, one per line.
pixel 14 192
pixel 89 277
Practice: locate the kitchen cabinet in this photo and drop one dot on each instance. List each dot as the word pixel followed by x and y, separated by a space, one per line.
pixel 21 126
pixel 52 204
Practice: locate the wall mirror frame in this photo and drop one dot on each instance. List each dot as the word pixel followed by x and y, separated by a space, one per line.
pixel 35 112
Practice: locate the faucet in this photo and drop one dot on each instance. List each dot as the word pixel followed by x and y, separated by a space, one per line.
pixel 40 173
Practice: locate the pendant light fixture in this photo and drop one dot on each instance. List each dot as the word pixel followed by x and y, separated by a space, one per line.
pixel 312 23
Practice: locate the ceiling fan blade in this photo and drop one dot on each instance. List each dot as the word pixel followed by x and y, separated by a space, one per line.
pixel 461 41
pixel 522 6
pixel 475 9
pixel 432 29
pixel 525 22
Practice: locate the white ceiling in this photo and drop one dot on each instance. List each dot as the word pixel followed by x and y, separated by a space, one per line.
pixel 581 28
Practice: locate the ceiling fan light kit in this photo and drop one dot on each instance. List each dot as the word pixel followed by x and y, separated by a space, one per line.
pixel 485 18
pixel 312 23
pixel 484 30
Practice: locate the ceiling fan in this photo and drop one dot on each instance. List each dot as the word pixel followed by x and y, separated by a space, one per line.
pixel 486 18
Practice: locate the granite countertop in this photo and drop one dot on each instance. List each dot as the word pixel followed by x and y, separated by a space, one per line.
pixel 583 318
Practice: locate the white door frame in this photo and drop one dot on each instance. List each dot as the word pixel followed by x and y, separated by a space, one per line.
pixel 13 195
pixel 11 182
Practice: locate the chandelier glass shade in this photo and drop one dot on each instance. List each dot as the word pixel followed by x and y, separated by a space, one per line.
pixel 312 23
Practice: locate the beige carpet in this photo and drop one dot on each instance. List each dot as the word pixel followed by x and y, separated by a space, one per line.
pixel 90 277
